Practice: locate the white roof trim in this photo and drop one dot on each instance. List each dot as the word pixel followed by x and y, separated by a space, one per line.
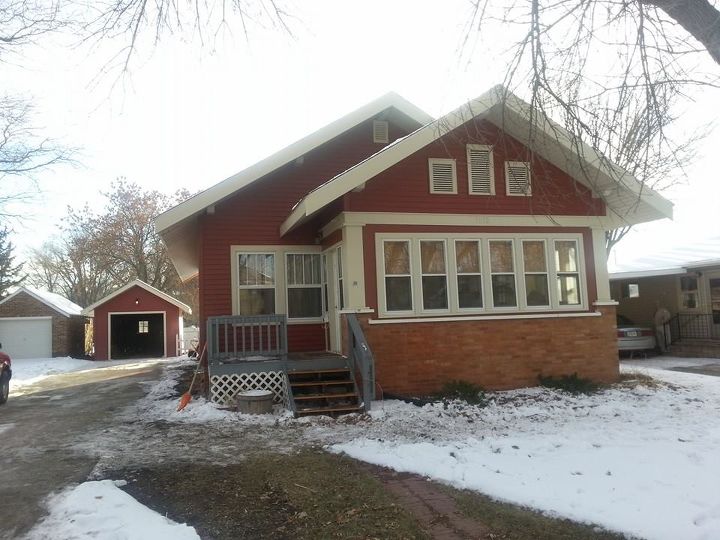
pixel 355 176
pixel 647 273
pixel 227 187
pixel 39 299
pixel 89 311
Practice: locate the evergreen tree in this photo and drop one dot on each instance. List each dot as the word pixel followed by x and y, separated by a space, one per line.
pixel 9 271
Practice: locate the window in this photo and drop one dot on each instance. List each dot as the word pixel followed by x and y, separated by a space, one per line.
pixel 256 283
pixel 689 292
pixel 502 273
pixel 480 170
pixel 143 327
pixel 568 276
pixel 434 274
pixel 380 131
pixel 535 273
pixel 517 178
pixel 469 274
pixel 398 280
pixel 304 286
pixel 443 176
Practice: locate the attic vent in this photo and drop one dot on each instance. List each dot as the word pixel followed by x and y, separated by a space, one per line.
pixel 443 178
pixel 480 170
pixel 517 178
pixel 380 131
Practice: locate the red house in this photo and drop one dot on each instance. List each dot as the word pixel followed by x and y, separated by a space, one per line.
pixel 136 321
pixel 462 253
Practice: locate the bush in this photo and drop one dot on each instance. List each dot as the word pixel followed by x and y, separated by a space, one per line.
pixel 465 391
pixel 569 383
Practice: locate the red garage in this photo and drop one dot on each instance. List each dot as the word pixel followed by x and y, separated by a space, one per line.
pixel 136 321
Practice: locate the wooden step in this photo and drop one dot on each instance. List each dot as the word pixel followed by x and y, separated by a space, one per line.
pixel 325 396
pixel 320 383
pixel 318 371
pixel 329 410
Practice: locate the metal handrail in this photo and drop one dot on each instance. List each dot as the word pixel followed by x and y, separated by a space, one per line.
pixel 361 359
pixel 693 326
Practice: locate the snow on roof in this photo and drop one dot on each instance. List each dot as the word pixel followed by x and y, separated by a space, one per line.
pixel 675 260
pixel 59 302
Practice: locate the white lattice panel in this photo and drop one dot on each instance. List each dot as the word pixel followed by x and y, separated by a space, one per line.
pixel 224 388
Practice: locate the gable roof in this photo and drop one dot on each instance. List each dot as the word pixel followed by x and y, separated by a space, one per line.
pixel 89 311
pixel 628 199
pixel 176 224
pixel 53 300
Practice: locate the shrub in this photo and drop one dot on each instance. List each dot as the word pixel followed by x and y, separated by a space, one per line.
pixel 465 391
pixel 569 383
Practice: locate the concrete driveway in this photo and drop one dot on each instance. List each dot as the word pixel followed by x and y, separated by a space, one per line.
pixel 701 366
pixel 38 430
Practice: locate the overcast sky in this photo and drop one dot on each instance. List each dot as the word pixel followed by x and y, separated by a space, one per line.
pixel 189 114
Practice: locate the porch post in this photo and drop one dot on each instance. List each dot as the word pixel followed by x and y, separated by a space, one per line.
pixel 602 278
pixel 354 270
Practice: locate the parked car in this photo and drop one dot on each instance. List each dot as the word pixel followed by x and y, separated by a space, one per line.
pixel 5 375
pixel 633 337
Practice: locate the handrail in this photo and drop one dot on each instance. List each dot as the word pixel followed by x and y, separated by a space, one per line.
pixel 693 326
pixel 361 359
pixel 241 337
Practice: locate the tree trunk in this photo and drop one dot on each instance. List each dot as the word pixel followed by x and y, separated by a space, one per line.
pixel 699 17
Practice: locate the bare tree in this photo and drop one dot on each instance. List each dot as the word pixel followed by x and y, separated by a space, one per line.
pixel 10 272
pixel 613 74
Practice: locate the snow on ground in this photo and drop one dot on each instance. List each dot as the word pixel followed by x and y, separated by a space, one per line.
pixel 28 371
pixel 669 362
pixel 102 510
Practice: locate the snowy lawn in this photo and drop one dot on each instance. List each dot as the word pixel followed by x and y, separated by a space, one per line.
pixel 28 371
pixel 102 510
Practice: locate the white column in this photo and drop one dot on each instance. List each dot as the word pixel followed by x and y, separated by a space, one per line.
pixel 354 269
pixel 602 279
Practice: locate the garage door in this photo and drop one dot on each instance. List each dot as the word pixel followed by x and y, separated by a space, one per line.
pixel 27 337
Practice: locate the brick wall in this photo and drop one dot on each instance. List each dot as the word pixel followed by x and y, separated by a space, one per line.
pixel 66 331
pixel 417 358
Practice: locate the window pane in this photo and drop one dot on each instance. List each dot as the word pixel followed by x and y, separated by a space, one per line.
pixel 566 256
pixel 398 293
pixel 569 290
pixel 245 270
pixel 267 276
pixel 467 256
pixel 256 301
pixel 434 292
pixel 503 288
pixel 308 274
pixel 470 291
pixel 291 270
pixel 432 257
pixel 304 302
pixel 256 269
pixel 536 288
pixel 534 256
pixel 688 283
pixel 501 257
pixel 397 257
pixel 339 262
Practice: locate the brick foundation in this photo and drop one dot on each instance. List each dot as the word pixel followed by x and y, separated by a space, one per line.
pixel 417 358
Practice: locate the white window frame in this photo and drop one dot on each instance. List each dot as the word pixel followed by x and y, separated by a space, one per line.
pixel 470 147
pixel 455 291
pixel 525 164
pixel 143 327
pixel 513 247
pixel 235 281
pixel 546 273
pixel 382 297
pixel 583 291
pixel 448 161
pixel 451 266
pixel 323 307
pixel 280 280
pixel 420 294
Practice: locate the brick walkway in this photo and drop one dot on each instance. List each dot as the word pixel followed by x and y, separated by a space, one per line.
pixel 436 511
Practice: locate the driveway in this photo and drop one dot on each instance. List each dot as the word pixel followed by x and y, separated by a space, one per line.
pixel 700 366
pixel 39 428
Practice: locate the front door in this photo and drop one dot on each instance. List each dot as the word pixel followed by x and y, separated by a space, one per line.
pixel 714 286
pixel 334 296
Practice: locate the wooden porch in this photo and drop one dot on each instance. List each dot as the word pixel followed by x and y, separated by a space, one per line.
pixel 251 352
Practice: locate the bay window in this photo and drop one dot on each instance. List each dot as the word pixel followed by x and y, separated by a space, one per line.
pixel 256 283
pixel 304 286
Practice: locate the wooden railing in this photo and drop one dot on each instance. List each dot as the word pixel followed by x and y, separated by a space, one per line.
pixel 361 359
pixel 246 338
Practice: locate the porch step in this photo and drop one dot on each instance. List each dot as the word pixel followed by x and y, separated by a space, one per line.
pixel 324 391
pixel 696 349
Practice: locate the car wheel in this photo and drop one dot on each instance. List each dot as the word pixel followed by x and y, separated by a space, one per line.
pixel 4 388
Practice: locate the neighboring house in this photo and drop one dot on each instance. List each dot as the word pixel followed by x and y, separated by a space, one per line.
pixel 463 254
pixel 685 281
pixel 137 321
pixel 41 324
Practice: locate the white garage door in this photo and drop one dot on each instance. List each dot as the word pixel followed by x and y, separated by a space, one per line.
pixel 27 337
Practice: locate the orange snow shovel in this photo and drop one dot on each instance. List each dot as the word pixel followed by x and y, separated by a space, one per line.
pixel 187 396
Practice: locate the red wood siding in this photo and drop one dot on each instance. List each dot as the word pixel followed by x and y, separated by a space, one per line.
pixel 369 255
pixel 253 217
pixel 125 302
pixel 404 187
